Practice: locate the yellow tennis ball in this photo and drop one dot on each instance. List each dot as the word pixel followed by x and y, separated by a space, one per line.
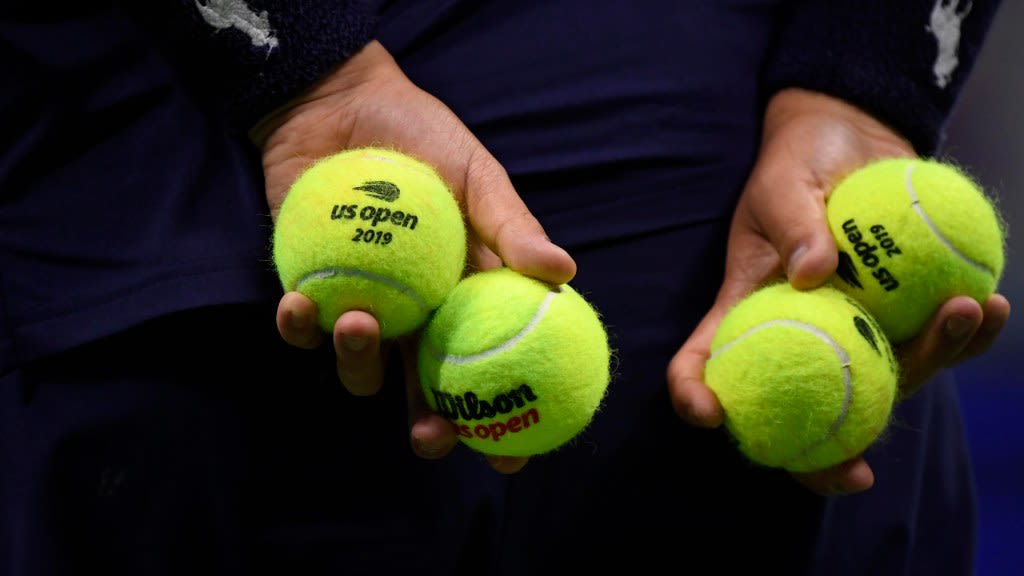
pixel 371 229
pixel 806 379
pixel 913 233
pixel 518 365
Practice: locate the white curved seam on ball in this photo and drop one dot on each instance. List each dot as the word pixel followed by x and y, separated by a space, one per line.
pixel 844 361
pixel 915 202
pixel 506 345
pixel 406 165
pixel 325 273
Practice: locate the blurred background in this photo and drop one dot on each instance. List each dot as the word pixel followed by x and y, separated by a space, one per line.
pixel 986 136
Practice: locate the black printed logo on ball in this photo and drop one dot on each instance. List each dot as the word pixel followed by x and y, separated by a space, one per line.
pixel 374 216
pixel 873 250
pixel 847 270
pixel 380 189
pixel 864 327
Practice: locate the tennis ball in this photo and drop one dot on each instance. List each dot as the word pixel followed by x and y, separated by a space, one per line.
pixel 913 233
pixel 518 365
pixel 371 229
pixel 806 379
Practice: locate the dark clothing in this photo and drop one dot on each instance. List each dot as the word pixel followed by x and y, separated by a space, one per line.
pixel 153 422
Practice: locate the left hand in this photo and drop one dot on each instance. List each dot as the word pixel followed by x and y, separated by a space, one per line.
pixel 779 228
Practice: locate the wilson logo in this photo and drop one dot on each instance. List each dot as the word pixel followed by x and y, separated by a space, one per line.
pixel 469 406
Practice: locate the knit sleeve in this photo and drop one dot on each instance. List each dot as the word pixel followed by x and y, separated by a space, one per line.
pixel 904 62
pixel 248 57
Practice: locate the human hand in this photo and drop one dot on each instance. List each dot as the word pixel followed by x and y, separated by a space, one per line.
pixel 779 228
pixel 369 101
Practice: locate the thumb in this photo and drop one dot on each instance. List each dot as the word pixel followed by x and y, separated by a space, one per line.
pixel 502 222
pixel 791 215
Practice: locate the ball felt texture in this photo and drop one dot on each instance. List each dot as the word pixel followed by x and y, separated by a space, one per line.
pixel 806 379
pixel 371 229
pixel 913 233
pixel 520 366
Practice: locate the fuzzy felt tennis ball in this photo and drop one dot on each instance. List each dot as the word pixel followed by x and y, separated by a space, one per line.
pixel 806 379
pixel 913 233
pixel 371 229
pixel 518 365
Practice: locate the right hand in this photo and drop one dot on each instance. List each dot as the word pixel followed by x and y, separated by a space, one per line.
pixel 366 101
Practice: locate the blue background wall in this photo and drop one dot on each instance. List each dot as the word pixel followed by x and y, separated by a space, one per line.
pixel 986 135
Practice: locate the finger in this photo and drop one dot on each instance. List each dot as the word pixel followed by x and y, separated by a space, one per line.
pixel 296 321
pixel 431 435
pixel 996 315
pixel 751 261
pixel 849 477
pixel 507 464
pixel 940 343
pixel 357 347
pixel 692 400
pixel 502 221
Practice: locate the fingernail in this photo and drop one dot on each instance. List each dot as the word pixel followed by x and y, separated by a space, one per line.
pixel 355 343
pixel 427 450
pixel 691 417
pixel 701 414
pixel 794 260
pixel 297 321
pixel 958 327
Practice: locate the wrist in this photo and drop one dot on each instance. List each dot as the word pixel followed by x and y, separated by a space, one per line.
pixel 788 105
pixel 371 63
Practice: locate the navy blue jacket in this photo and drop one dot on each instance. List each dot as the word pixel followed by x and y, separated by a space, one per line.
pixel 100 232
pixel 130 193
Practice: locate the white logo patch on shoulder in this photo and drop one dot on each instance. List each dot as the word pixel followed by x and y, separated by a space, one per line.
pixel 944 25
pixel 223 14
